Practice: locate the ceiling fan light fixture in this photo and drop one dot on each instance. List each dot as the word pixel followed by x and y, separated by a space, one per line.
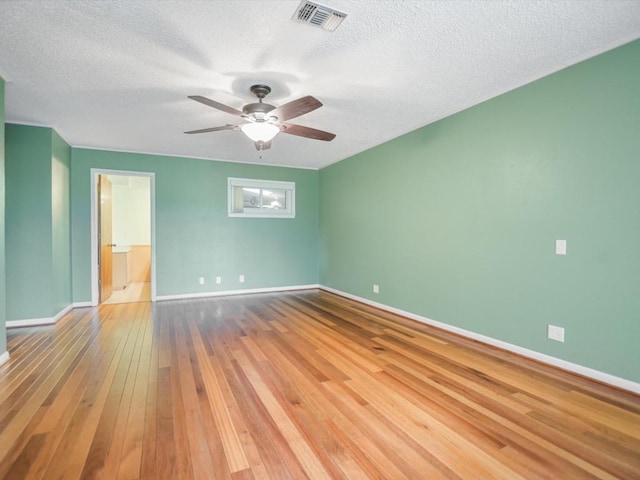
pixel 260 131
pixel 265 121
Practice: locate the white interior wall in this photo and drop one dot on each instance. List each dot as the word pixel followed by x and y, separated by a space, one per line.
pixel 131 210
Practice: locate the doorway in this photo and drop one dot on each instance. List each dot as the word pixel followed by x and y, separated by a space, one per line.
pixel 123 234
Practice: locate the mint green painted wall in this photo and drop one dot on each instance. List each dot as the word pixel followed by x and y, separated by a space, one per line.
pixel 61 222
pixel 194 236
pixel 3 297
pixel 38 230
pixel 28 222
pixel 457 221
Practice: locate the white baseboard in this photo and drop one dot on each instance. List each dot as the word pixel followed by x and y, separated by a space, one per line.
pixel 62 313
pixel 223 293
pixel 603 377
pixel 32 322
pixel 82 305
pixel 4 358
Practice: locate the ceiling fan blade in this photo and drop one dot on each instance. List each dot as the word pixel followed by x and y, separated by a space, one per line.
pixel 213 129
pixel 295 108
pixel 260 145
pixel 307 132
pixel 218 105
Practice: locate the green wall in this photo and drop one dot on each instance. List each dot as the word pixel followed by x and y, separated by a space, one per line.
pixel 3 297
pixel 194 236
pixel 61 222
pixel 37 223
pixel 28 222
pixel 457 221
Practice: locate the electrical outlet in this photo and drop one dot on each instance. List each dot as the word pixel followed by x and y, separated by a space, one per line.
pixel 218 280
pixel 241 278
pixel 561 247
pixel 376 288
pixel 555 333
pixel 201 280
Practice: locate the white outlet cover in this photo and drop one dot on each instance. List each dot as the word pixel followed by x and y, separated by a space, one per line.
pixel 376 289
pixel 561 247
pixel 241 278
pixel 555 333
pixel 218 280
pixel 201 280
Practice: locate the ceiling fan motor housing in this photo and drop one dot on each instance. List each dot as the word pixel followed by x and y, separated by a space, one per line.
pixel 258 110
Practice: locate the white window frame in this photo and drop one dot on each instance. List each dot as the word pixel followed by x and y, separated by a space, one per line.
pixel 290 198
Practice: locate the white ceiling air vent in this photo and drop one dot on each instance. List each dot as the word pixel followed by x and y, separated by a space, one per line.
pixel 318 15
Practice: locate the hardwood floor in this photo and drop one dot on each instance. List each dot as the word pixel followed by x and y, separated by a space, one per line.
pixel 292 386
pixel 135 292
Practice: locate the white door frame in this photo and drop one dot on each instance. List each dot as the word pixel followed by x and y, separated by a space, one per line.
pixel 95 172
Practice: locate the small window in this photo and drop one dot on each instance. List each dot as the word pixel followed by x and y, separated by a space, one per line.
pixel 261 198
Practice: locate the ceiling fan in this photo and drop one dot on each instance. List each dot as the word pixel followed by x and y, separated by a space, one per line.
pixel 264 121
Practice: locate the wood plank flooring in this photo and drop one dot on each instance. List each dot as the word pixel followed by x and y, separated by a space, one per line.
pixel 291 386
pixel 134 292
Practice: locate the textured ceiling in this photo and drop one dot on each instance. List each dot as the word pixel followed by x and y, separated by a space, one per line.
pixel 116 74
